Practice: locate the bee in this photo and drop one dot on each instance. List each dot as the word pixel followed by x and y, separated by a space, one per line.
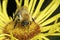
pixel 22 16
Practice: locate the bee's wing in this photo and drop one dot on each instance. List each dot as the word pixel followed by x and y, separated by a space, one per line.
pixel 4 19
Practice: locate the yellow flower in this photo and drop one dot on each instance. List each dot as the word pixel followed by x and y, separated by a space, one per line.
pixel 39 16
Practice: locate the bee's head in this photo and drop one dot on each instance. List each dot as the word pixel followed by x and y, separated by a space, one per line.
pixel 23 16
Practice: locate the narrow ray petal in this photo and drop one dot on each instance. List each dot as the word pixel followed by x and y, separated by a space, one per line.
pixel 4 5
pixel 26 2
pixel 39 18
pixel 30 5
pixel 50 20
pixel 38 8
pixel 49 12
pixel 46 28
pixel 18 3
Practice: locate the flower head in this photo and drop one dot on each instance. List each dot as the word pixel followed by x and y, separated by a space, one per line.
pixel 28 22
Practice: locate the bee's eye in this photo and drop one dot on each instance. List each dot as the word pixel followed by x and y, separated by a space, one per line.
pixel 24 23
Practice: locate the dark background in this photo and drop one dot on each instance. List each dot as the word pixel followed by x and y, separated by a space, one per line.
pixel 11 7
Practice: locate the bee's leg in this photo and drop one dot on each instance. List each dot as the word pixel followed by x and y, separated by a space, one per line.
pixel 14 17
pixel 15 24
pixel 32 19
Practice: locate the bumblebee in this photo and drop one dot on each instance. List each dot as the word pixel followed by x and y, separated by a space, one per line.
pixel 23 26
pixel 22 16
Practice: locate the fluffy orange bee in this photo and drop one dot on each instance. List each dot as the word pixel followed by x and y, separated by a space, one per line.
pixel 23 27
